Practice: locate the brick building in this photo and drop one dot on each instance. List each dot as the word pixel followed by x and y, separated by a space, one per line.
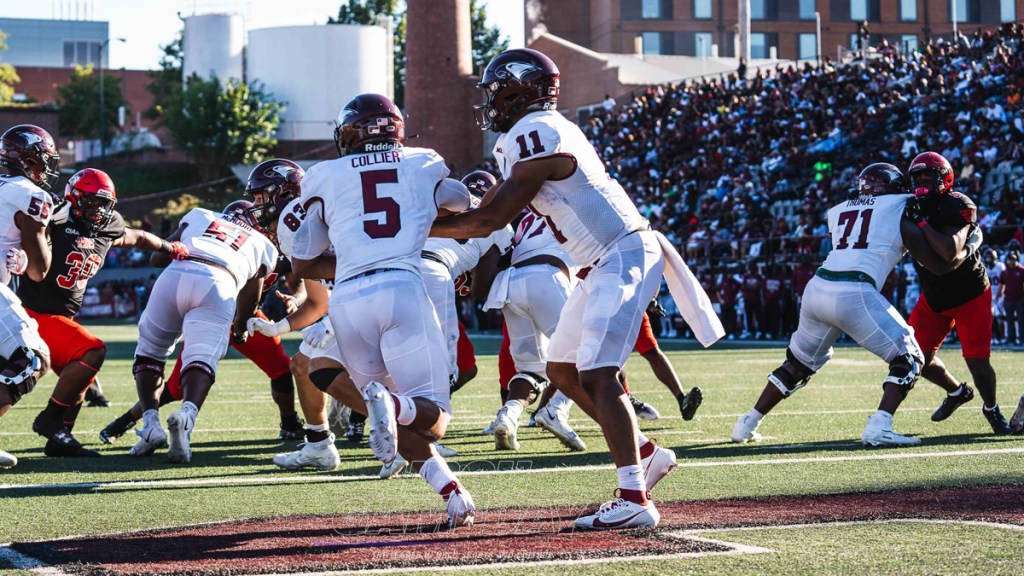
pixel 693 27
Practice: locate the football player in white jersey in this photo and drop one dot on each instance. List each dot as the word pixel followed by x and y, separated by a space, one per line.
pixel 869 233
pixel 28 169
pixel 548 164
pixel 218 285
pixel 375 205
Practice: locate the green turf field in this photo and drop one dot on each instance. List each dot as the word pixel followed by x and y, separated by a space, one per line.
pixel 811 446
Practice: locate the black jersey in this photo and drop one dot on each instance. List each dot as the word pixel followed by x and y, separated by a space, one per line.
pixel 970 280
pixel 77 257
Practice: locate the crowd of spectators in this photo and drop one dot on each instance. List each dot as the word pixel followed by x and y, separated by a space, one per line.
pixel 739 172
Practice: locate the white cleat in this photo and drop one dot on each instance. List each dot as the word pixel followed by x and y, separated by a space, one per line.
pixel 505 431
pixel 643 410
pixel 320 455
pixel 7 460
pixel 745 430
pixel 393 468
pixel 1017 420
pixel 553 421
pixel 179 437
pixel 489 431
pixel 878 435
pixel 338 417
pixel 151 438
pixel 444 451
pixel 657 465
pixel 381 421
pixel 461 510
pixel 620 514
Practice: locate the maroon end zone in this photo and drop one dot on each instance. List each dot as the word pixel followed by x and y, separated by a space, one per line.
pixel 379 541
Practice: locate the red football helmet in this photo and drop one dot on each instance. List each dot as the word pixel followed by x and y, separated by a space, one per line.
pixel 369 123
pixel 515 81
pixel 30 152
pixel 241 212
pixel 272 185
pixel 91 198
pixel 930 173
pixel 479 182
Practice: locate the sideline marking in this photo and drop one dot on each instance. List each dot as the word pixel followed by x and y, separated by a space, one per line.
pixel 275 479
pixel 19 561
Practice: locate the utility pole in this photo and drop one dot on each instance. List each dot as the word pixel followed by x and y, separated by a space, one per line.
pixel 744 31
pixel 103 124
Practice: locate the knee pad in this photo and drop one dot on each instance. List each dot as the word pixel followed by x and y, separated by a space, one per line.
pixel 786 382
pixel 323 377
pixel 904 371
pixel 283 384
pixel 202 367
pixel 19 373
pixel 535 382
pixel 147 364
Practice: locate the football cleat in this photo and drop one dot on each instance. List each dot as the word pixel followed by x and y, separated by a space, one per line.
pixel 381 418
pixel 658 464
pixel 444 451
pixel 644 411
pixel 151 437
pixel 7 460
pixel 179 437
pixel 115 430
pixel 338 417
pixel 356 428
pixel 877 434
pixel 745 430
pixel 320 455
pixel 555 422
pixel 292 428
pixel 488 431
pixel 533 419
pixel 688 403
pixel 620 514
pixel 461 510
pixel 951 403
pixel 505 431
pixel 997 421
pixel 393 468
pixel 47 427
pixel 64 445
pixel 1017 420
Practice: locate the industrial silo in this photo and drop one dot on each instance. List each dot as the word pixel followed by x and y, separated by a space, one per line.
pixel 213 46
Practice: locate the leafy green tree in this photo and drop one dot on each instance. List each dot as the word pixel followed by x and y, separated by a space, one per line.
pixel 165 83
pixel 222 124
pixel 79 102
pixel 487 40
pixel 8 76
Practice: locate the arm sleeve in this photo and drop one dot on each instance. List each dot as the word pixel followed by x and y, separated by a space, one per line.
pixel 312 238
pixel 502 239
pixel 452 195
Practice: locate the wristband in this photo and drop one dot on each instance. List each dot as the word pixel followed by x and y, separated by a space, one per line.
pixel 165 247
pixel 922 224
pixel 283 326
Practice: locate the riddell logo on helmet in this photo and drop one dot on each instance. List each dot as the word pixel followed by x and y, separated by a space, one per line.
pixel 380 147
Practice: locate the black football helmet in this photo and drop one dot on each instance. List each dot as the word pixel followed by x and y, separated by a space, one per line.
pixel 515 81
pixel 29 151
pixel 479 182
pixel 271 186
pixel 241 212
pixel 369 123
pixel 880 179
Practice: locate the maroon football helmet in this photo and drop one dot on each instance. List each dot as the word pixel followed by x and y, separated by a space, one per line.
pixel 369 123
pixel 272 185
pixel 930 173
pixel 30 152
pixel 91 197
pixel 516 80
pixel 241 212
pixel 880 179
pixel 479 182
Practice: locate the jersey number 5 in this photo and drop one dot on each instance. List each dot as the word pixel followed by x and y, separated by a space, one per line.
pixel 847 220
pixel 391 222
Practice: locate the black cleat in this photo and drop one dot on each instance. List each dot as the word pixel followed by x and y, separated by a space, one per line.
pixel 951 403
pixel 116 429
pixel 688 403
pixel 46 426
pixel 1017 420
pixel 292 428
pixel 98 402
pixel 64 445
pixel 997 421
pixel 356 428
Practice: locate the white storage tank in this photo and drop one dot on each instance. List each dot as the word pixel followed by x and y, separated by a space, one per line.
pixel 214 45
pixel 316 70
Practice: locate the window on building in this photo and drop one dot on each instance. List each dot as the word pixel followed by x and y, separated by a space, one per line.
pixel 908 43
pixel 908 10
pixel 854 42
pixel 1007 11
pixel 81 53
pixel 702 9
pixel 861 10
pixel 646 9
pixel 703 40
pixel 652 43
pixel 807 45
pixel 764 10
pixel 807 9
pixel 761 45
pixel 966 10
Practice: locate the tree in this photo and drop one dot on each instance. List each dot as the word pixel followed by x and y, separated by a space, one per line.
pixel 222 124
pixel 165 84
pixel 487 40
pixel 8 76
pixel 79 102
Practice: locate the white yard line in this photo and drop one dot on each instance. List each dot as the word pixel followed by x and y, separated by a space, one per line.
pixel 501 467
pixel 20 561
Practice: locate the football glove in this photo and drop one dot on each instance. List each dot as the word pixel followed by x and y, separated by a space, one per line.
pixel 912 211
pixel 17 261
pixel 318 335
pixel 267 328
pixel 178 251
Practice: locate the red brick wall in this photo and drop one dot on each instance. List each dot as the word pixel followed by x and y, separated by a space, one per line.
pixel 584 79
pixel 41 85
